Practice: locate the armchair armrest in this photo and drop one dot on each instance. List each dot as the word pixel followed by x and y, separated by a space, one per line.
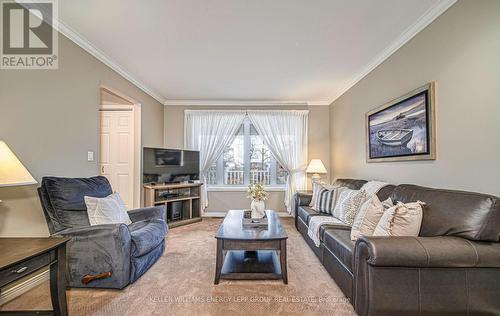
pixel 97 250
pixel 97 231
pixel 427 252
pixel 147 213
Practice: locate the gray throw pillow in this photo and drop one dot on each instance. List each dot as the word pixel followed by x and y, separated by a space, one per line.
pixel 348 205
pixel 107 210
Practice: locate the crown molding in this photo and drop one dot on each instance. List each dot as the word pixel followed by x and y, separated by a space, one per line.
pixel 426 19
pixel 319 102
pixel 242 103
pixel 79 40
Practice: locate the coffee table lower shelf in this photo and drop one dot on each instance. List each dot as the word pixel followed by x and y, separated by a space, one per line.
pixel 251 265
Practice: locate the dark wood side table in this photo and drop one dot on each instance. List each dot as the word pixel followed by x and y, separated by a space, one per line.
pixel 23 256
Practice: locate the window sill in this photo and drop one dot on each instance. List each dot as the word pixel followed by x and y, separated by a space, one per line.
pixel 241 189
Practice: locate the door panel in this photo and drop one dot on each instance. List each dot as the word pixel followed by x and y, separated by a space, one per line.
pixel 123 186
pixel 123 148
pixel 105 148
pixel 117 152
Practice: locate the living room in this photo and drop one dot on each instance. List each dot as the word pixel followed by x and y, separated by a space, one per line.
pixel 274 157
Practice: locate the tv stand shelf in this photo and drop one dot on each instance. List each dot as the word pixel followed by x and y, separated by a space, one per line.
pixel 182 201
pixel 160 202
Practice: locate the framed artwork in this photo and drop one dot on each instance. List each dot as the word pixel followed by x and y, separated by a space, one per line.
pixel 403 129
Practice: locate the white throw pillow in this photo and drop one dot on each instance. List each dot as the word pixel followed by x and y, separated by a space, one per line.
pixel 107 210
pixel 348 205
pixel 368 217
pixel 401 220
pixel 372 187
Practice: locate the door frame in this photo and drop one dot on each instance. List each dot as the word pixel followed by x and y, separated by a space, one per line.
pixel 135 107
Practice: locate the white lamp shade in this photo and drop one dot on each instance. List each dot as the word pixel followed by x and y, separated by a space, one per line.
pixel 316 166
pixel 12 171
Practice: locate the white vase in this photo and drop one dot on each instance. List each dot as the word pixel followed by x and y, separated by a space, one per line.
pixel 258 209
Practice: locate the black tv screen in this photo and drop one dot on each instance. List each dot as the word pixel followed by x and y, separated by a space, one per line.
pixel 161 165
pixel 168 157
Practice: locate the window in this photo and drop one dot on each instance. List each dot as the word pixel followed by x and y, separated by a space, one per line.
pixel 246 161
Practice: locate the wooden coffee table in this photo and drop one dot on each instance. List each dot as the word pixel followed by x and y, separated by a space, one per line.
pixel 250 253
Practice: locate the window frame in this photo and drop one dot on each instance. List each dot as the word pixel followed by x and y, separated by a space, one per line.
pixel 220 186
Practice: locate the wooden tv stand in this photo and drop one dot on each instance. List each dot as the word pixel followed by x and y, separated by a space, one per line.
pixel 183 196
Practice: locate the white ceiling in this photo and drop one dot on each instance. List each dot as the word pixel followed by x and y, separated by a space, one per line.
pixel 274 51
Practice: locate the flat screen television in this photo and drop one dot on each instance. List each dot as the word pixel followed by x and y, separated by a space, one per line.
pixel 162 165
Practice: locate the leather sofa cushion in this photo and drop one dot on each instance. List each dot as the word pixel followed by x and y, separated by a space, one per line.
pixel 469 215
pixel 352 184
pixel 306 212
pixel 339 242
pixel 146 235
pixel 324 227
pixel 385 192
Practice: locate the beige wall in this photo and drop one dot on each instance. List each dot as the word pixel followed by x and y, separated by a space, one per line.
pixel 319 147
pixel 50 120
pixel 460 51
pixel 224 201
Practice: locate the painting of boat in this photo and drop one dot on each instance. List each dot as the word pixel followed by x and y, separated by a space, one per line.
pixel 394 137
pixel 400 116
pixel 402 129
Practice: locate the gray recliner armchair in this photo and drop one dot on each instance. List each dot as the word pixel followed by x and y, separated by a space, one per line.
pixel 111 255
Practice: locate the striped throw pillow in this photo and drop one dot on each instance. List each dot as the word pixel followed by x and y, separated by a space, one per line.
pixel 317 187
pixel 327 199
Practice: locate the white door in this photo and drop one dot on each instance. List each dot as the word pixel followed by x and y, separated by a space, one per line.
pixel 116 158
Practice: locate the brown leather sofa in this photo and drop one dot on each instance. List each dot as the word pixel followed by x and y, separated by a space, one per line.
pixel 452 268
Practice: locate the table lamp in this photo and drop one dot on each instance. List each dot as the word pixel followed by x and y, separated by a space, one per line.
pixel 12 171
pixel 316 167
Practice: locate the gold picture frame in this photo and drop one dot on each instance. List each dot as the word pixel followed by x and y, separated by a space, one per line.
pixel 403 129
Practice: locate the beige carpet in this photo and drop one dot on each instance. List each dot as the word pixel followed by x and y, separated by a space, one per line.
pixel 181 283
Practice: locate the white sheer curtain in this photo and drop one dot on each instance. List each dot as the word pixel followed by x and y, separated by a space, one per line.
pixel 210 132
pixel 285 133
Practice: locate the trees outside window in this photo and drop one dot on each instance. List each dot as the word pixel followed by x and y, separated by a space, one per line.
pixel 246 161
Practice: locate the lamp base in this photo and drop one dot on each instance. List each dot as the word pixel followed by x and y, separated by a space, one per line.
pixel 315 177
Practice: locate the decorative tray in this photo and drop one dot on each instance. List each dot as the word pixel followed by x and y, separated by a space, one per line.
pixel 249 222
pixel 255 222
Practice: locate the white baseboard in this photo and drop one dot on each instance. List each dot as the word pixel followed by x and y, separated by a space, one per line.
pixel 23 287
pixel 214 214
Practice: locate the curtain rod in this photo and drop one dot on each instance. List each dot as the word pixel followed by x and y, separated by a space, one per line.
pixel 246 111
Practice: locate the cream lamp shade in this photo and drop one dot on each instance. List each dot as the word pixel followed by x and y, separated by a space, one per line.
pixel 316 167
pixel 12 171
